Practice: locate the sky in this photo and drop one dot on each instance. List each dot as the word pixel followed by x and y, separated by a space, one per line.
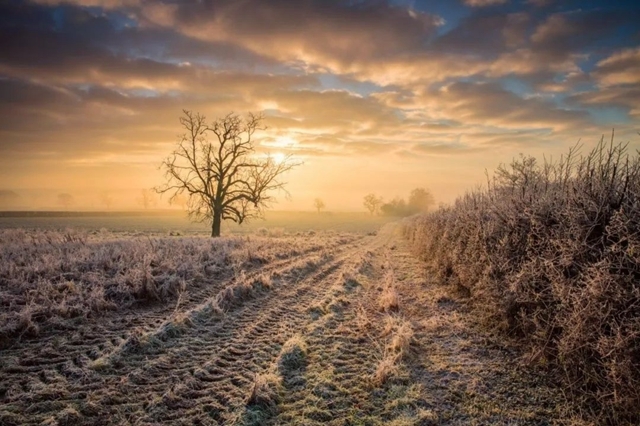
pixel 372 95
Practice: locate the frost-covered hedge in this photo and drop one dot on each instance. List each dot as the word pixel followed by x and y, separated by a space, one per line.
pixel 551 252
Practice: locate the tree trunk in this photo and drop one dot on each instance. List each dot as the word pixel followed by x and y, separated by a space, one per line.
pixel 215 226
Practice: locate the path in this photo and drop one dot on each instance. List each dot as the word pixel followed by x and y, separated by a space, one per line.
pixel 422 362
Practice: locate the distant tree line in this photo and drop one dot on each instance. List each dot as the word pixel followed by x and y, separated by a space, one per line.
pixel 420 200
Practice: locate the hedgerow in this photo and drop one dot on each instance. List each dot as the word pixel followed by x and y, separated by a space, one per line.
pixel 550 252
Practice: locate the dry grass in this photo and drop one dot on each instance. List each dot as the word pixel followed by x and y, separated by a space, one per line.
pixel 243 289
pixel 292 355
pixel 264 391
pixel 52 276
pixel 386 368
pixel 550 254
pixel 389 300
pixel 399 332
pixel 402 338
pixel 349 279
pixel 262 401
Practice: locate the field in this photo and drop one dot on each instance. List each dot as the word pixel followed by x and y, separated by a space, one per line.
pixel 270 328
pixel 166 222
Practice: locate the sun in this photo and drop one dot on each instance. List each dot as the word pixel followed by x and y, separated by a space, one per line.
pixel 278 157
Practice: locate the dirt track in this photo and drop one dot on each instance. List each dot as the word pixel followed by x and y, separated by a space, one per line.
pixel 189 364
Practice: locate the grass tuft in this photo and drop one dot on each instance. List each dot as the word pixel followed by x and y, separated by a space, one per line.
pixel 386 368
pixel 292 355
pixel 389 300
pixel 402 338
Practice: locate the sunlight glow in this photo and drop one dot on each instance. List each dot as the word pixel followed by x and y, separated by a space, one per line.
pixel 278 157
pixel 284 141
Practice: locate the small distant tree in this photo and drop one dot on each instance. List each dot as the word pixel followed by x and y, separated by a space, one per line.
pixel 146 199
pixel 372 203
pixel 318 204
pixel 216 167
pixel 65 200
pixel 106 200
pixel 420 200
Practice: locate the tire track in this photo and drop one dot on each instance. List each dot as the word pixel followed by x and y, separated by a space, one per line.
pixel 202 375
pixel 263 331
pixel 67 357
pixel 342 356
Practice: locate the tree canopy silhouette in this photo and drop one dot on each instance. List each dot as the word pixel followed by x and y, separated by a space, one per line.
pixel 372 203
pixel 318 204
pixel 420 200
pixel 215 166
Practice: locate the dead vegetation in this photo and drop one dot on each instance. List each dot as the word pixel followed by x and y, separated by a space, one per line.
pixel 396 330
pixel 389 300
pixel 550 254
pixel 297 340
pixel 241 290
pixel 262 402
pixel 398 333
pixel 386 368
pixel 292 355
pixel 402 337
pixel 52 278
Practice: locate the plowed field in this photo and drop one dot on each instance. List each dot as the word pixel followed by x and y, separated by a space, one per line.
pixel 342 330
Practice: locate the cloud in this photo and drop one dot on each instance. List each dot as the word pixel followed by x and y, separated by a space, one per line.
pixel 100 83
pixel 622 67
pixel 540 3
pixel 444 149
pixel 484 35
pixel 490 105
pixel 565 34
pixel 317 32
pixel 82 48
pixel 620 97
pixel 484 3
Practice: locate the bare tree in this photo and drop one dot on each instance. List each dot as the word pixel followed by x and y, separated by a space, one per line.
pixel 223 177
pixel 318 204
pixel 65 200
pixel 146 199
pixel 372 203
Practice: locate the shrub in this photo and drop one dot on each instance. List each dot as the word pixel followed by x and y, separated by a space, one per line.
pixel 551 252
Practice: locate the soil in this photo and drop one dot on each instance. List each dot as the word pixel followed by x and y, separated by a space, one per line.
pixel 189 363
